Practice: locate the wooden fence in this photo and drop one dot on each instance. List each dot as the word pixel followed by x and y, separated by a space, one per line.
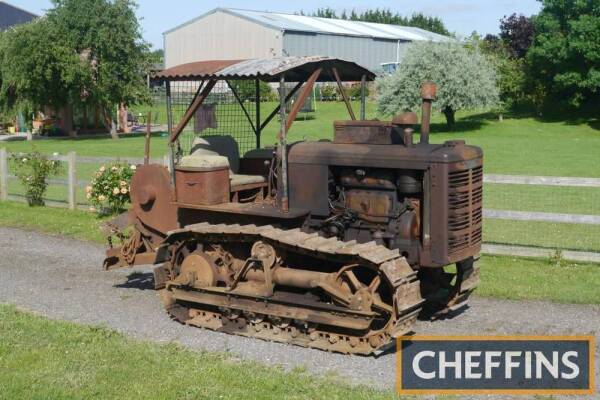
pixel 73 183
pixel 534 216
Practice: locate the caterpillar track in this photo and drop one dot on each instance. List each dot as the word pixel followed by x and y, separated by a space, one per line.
pixel 290 286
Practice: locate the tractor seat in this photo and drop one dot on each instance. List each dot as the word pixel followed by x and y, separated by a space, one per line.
pixel 240 180
pixel 220 151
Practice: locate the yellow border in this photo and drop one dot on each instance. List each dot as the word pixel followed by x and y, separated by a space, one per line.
pixel 592 374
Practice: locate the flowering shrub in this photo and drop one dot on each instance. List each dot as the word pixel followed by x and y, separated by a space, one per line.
pixel 109 190
pixel 33 170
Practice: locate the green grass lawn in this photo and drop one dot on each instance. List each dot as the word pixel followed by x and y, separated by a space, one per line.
pixel 44 359
pixel 504 277
pixel 520 146
pixel 543 234
pixel 552 199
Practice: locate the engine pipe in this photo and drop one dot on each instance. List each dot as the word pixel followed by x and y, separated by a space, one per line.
pixel 428 92
pixel 405 122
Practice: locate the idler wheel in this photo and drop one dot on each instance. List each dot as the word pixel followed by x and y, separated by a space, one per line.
pixel 198 270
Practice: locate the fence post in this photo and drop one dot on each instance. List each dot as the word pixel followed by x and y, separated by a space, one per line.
pixel 166 161
pixel 3 174
pixel 72 190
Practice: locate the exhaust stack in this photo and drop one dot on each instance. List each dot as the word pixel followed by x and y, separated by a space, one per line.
pixel 428 92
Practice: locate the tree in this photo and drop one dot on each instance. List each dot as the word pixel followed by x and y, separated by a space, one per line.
pixel 432 24
pixel 565 55
pixel 326 12
pixel 464 77
pixel 83 52
pixel 386 16
pixel 158 57
pixel 517 33
pixel 511 72
pixel 37 76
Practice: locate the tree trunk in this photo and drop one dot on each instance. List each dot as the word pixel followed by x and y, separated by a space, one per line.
pixel 450 117
pixel 123 123
pixel 67 120
pixel 110 124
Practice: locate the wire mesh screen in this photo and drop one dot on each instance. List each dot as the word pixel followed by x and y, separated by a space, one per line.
pixel 229 110
pixel 554 217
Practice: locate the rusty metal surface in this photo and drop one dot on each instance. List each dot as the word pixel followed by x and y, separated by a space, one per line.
pixel 151 198
pixel 405 123
pixel 192 184
pixel 428 92
pixel 296 69
pixel 362 315
pixel 364 132
pixel 406 118
pixel 251 209
pixel 443 182
pixel 195 69
pixel 377 156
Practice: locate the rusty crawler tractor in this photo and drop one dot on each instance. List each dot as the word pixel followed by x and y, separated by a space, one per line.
pixel 336 245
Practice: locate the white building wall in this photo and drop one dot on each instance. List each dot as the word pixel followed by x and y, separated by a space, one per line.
pixel 220 36
pixel 365 51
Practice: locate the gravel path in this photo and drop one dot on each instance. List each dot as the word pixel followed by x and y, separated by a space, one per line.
pixel 62 279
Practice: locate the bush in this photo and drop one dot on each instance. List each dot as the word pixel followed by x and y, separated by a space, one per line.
pixel 109 189
pixel 465 79
pixel 329 93
pixel 246 90
pixel 33 170
pixel 354 91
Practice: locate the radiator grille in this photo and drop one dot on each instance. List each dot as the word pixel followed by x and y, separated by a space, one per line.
pixel 465 194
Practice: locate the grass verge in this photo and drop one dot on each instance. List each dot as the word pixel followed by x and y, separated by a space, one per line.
pixel 556 280
pixel 55 221
pixel 70 361
pixel 502 277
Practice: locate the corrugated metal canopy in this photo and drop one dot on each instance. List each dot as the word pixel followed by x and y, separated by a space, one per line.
pixel 295 69
pixel 303 23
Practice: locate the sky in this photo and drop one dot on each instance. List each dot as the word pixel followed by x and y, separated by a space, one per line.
pixel 460 16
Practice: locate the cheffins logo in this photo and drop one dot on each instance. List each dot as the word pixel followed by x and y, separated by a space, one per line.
pixel 495 365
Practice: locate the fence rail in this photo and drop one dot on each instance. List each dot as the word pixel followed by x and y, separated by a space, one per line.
pixel 542 217
pixel 518 249
pixel 542 180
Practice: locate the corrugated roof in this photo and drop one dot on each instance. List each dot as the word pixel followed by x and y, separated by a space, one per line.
pixel 302 23
pixel 296 69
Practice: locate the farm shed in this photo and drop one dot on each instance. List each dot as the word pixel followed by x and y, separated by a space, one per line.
pixel 11 15
pixel 226 33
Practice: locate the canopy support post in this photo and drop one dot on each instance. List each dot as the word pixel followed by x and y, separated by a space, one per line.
pixel 363 97
pixel 257 130
pixel 285 206
pixel 170 128
pixel 302 98
pixel 276 110
pixel 343 92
